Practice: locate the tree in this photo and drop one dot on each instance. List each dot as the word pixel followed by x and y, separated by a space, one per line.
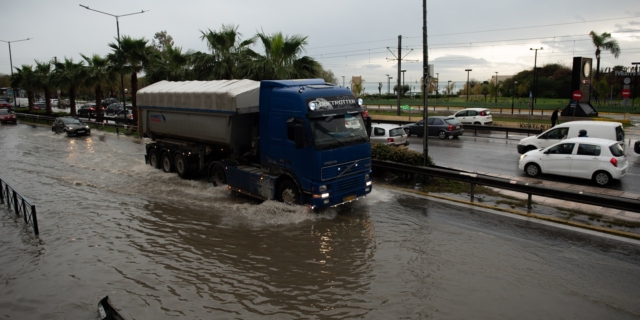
pixel 282 59
pixel 42 76
pixel 162 41
pixel 130 56
pixel 327 75
pixel 173 65
pixel 69 75
pixel 24 78
pixel 98 74
pixel 228 50
pixel 604 41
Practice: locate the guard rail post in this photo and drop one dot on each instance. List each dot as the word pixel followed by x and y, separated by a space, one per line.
pixel 472 190
pixel 15 203
pixel 34 220
pixel 529 200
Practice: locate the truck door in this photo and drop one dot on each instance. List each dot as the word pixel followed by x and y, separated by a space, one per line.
pixel 299 159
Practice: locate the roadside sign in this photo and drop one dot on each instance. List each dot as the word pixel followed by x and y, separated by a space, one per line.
pixel 577 95
pixel 626 93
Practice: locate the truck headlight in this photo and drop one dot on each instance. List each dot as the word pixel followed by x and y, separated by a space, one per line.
pixel 323 195
pixel 368 183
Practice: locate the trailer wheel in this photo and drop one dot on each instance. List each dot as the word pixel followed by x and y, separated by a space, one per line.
pixel 166 162
pixel 217 176
pixel 153 159
pixel 288 192
pixel 181 165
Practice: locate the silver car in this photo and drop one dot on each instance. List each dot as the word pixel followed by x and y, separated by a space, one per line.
pixel 390 134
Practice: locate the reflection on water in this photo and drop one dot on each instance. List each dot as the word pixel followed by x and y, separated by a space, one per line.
pixel 163 247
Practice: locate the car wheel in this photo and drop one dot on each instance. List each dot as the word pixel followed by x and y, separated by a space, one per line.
pixel 217 176
pixel 288 193
pixel 166 162
pixel 154 161
pixel 532 169
pixel 408 132
pixel 182 167
pixel 602 178
pixel 442 135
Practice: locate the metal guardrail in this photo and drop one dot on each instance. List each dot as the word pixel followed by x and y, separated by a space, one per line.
pixel 513 185
pixel 20 205
pixel 50 120
pixel 473 127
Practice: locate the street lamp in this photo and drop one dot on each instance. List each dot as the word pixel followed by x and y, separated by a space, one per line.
pixel 343 81
pixel 437 84
pixel 13 90
pixel 124 98
pixel 496 87
pixel 535 78
pixel 388 85
pixel 448 89
pixel 468 70
pixel 513 94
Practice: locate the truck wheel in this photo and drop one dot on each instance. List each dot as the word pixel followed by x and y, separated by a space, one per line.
pixel 181 166
pixel 154 161
pixel 217 175
pixel 166 162
pixel 288 193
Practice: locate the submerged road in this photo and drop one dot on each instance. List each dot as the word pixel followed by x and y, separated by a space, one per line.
pixel 161 247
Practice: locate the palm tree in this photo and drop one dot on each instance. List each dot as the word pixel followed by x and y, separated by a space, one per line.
pixel 42 75
pixel 98 74
pixel 129 57
pixel 170 65
pixel 282 59
pixel 228 50
pixel 604 41
pixel 25 78
pixel 70 75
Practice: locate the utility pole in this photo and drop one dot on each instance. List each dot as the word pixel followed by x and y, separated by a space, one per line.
pixel 496 87
pixel 468 70
pixel 425 76
pixel 399 58
pixel 535 78
pixel 13 90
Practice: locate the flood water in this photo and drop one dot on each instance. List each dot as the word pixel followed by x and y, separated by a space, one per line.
pixel 165 248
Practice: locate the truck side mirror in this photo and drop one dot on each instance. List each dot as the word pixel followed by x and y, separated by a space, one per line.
pixel 298 131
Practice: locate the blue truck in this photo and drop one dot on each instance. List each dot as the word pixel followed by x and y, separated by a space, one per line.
pixel 296 141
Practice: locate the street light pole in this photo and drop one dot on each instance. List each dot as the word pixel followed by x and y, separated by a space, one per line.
pixel 496 87
pixel 388 85
pixel 468 70
pixel 448 89
pixel 13 90
pixel 535 78
pixel 124 98
pixel 343 81
pixel 403 71
pixel 437 84
pixel 513 94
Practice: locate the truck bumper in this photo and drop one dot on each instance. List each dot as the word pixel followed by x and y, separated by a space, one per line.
pixel 337 198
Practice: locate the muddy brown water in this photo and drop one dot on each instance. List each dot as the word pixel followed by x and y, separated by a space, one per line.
pixel 165 248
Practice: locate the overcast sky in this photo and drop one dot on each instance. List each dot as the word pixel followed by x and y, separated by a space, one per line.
pixel 349 37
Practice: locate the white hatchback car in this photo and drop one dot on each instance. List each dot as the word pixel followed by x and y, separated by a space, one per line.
pixel 481 116
pixel 388 134
pixel 589 158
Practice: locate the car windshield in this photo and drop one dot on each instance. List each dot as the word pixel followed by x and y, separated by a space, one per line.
pixel 396 132
pixel 71 121
pixel 4 111
pixel 338 131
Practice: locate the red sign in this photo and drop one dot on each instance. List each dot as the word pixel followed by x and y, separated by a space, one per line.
pixel 626 93
pixel 577 95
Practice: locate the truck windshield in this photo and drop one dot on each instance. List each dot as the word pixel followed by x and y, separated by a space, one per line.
pixel 338 131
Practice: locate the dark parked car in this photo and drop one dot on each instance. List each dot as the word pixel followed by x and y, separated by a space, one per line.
pixel 443 127
pixel 40 105
pixel 123 116
pixel 7 116
pixel 87 110
pixel 108 101
pixel 113 109
pixel 72 126
pixel 4 103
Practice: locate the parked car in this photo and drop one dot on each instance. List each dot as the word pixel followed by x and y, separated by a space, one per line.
pixel 106 102
pixel 121 117
pixel 87 110
pixel 388 134
pixel 7 116
pixel 595 129
pixel 440 126
pixel 115 108
pixel 589 158
pixel 481 116
pixel 5 103
pixel 40 105
pixel 72 126
pixel 54 103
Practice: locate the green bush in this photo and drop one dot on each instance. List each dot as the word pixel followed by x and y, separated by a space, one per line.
pixel 398 154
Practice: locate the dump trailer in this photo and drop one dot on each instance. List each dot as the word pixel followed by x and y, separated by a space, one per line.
pixel 296 141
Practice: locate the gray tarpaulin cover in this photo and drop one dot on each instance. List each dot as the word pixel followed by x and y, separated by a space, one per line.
pixel 225 95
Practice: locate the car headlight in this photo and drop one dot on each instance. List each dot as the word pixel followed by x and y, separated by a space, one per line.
pixel 523 156
pixel 86 127
pixel 70 128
